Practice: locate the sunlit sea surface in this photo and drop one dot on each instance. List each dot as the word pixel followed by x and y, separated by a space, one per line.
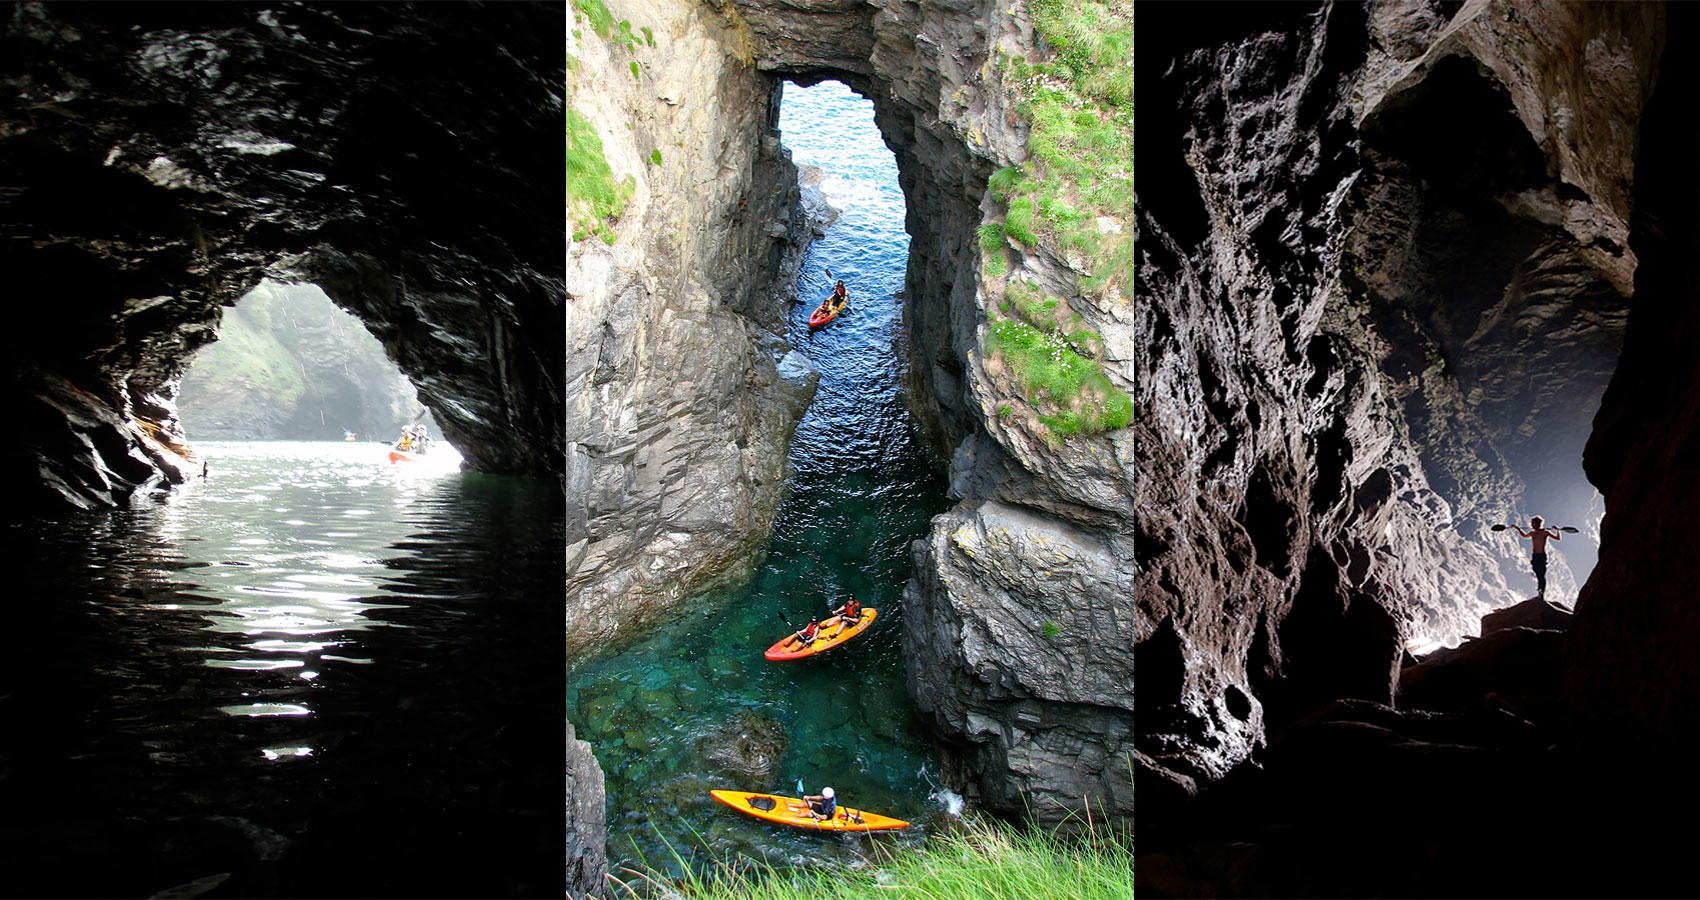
pixel 861 491
pixel 314 673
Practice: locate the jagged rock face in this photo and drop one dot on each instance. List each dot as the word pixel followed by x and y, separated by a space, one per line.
pixel 1631 675
pixel 587 830
pixel 159 161
pixel 1383 205
pixel 682 396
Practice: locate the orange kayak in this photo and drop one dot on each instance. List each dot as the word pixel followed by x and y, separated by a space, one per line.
pixel 826 312
pixel 398 456
pixel 791 811
pixel 830 636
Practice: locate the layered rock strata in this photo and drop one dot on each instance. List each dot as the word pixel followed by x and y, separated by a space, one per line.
pixel 1353 216
pixel 682 396
pixel 159 161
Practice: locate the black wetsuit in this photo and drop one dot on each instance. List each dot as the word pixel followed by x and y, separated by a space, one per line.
pixel 1539 562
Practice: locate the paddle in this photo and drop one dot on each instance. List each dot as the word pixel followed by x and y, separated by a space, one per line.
pixel 1564 528
pixel 796 633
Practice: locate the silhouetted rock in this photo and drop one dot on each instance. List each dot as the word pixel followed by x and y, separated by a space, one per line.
pixel 1532 613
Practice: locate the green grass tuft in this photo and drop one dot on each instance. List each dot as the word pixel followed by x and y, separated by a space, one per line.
pixel 1068 386
pixel 635 72
pixel 1079 104
pixel 596 12
pixel 594 198
pixel 1018 224
pixel 1051 630
pixel 987 860
pixel 655 157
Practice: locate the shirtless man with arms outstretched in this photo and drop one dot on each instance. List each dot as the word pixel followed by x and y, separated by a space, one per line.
pixel 1538 553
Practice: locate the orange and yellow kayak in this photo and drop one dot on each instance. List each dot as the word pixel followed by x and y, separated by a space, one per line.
pixel 830 637
pixel 791 811
pixel 827 311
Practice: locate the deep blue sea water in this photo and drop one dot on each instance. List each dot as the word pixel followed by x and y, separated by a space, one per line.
pixel 861 490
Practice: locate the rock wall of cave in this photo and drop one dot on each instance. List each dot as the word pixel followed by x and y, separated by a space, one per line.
pixel 1383 280
pixel 159 160
pixel 682 394
pixel 1630 673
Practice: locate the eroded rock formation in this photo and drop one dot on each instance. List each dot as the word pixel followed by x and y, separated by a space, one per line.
pixel 158 161
pixel 1383 279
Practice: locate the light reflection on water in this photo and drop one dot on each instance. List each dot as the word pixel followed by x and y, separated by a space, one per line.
pixel 316 670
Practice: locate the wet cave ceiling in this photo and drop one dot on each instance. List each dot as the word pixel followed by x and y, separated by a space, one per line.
pixel 158 160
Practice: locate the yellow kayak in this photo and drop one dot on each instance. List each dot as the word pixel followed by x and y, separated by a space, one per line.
pixel 829 637
pixel 791 811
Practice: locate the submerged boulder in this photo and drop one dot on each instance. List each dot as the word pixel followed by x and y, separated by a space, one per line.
pixel 747 748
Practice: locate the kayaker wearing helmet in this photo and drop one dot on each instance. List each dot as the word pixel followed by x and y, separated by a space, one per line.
pixel 823 806
pixel 809 633
pixel 848 614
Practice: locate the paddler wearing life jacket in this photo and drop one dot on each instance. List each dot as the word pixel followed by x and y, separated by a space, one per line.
pixel 809 633
pixel 406 441
pixel 822 806
pixel 850 613
pixel 840 296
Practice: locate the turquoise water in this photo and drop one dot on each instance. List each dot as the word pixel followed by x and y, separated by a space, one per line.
pixel 312 674
pixel 861 491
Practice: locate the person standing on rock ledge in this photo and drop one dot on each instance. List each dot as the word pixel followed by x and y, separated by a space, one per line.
pixel 1538 555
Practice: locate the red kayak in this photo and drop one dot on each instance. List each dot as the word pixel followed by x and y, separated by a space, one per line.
pixel 398 456
pixel 826 312
pixel 791 648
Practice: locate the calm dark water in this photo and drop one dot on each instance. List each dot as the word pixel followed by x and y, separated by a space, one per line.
pixel 315 672
pixel 861 490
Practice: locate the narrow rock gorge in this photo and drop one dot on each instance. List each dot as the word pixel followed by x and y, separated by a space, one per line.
pixel 1392 254
pixel 1018 622
pixel 159 161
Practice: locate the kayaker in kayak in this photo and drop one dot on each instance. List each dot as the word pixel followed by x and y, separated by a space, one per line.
pixel 809 633
pixel 421 440
pixel 822 806
pixel 406 441
pixel 1538 534
pixel 848 614
pixel 840 296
